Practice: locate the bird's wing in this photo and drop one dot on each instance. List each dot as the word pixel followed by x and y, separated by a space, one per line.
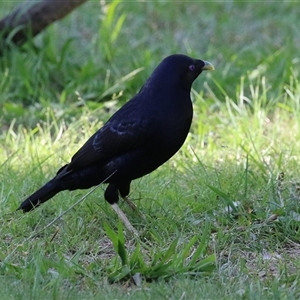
pixel 111 140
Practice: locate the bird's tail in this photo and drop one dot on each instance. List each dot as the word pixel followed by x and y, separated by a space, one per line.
pixel 42 195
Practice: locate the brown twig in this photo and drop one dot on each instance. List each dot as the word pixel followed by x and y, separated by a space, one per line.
pixel 30 19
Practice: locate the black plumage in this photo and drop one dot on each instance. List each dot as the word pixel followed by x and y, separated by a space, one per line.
pixel 137 139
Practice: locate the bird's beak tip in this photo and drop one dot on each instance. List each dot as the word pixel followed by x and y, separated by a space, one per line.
pixel 208 66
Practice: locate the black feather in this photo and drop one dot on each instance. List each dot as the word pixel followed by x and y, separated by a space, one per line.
pixel 142 135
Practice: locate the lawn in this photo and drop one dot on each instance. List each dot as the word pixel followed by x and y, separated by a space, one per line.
pixel 221 218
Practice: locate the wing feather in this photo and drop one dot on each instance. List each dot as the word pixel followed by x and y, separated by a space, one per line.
pixel 112 139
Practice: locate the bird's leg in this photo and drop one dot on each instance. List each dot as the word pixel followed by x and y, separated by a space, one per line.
pixel 123 217
pixel 124 190
pixel 111 195
pixel 130 203
pixel 133 206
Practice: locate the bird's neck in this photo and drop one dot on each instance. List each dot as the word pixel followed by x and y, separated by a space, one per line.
pixel 163 90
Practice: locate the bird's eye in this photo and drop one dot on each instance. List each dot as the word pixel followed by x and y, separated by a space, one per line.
pixel 192 67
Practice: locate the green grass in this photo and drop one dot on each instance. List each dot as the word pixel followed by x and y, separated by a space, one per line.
pixel 232 191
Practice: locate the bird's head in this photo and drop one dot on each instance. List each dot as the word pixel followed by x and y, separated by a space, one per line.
pixel 182 70
pixel 175 71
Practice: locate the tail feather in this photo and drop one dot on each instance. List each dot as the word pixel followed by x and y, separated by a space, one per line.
pixel 46 192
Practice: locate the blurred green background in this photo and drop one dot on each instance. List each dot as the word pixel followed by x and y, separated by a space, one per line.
pixel 232 190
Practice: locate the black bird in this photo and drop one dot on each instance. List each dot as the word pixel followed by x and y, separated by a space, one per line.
pixel 137 139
